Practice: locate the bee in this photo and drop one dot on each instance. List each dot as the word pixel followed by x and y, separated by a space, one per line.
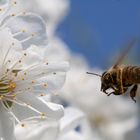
pixel 120 77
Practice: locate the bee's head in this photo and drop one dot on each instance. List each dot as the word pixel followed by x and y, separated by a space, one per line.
pixel 106 81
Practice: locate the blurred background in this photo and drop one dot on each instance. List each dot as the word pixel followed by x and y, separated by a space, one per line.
pixel 91 35
pixel 98 29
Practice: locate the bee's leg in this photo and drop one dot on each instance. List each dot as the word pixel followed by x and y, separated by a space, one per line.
pixel 105 92
pixel 110 93
pixel 133 92
pixel 114 93
pixel 117 92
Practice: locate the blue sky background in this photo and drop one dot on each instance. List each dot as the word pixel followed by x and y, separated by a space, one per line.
pixel 99 28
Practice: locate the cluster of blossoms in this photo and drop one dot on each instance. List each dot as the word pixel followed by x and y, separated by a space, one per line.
pixel 107 117
pixel 28 75
pixel 27 78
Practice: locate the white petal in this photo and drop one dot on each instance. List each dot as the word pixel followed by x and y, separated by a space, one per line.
pixel 30 25
pixel 72 135
pixel 37 129
pixel 54 82
pixel 71 119
pixel 41 69
pixel 10 48
pixel 6 125
pixel 34 55
pixel 53 75
pixel 4 4
pixel 50 110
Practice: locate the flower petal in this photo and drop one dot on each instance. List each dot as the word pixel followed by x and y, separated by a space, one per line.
pixel 71 119
pixel 28 28
pixel 72 135
pixel 50 110
pixel 46 78
pixel 10 48
pixel 4 4
pixel 6 125
pixel 37 129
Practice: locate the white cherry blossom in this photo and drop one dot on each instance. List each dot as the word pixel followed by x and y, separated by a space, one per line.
pixel 24 78
pixel 52 129
pixel 28 28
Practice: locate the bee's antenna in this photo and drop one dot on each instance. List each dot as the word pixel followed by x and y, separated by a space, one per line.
pixel 94 74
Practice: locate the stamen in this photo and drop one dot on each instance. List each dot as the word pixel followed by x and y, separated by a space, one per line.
pixel 14 116
pixel 6 55
pixel 45 85
pixel 28 38
pixel 13 16
pixel 14 2
pixel 25 105
pixel 14 65
pixel 19 32
pixel 9 110
pixel 32 108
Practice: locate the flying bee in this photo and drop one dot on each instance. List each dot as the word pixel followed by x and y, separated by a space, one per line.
pixel 120 77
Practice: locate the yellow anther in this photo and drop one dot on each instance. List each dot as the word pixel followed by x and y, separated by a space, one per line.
pixel 15 2
pixel 13 15
pixel 14 96
pixel 25 73
pixel 25 54
pixel 23 125
pixel 42 94
pixel 23 30
pixel 1 97
pixel 33 82
pixel 43 114
pixel 45 85
pixel 12 86
pixel 23 79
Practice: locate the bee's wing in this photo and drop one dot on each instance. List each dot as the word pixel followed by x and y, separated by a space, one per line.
pixel 129 45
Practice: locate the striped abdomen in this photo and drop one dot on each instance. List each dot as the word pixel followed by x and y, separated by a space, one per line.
pixel 131 74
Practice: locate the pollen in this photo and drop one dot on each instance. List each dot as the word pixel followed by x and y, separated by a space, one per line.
pixel 19 61
pixel 13 15
pixel 1 97
pixel 15 2
pixel 41 94
pixel 45 85
pixel 23 125
pixel 25 73
pixel 12 86
pixel 43 114
pixel 23 30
